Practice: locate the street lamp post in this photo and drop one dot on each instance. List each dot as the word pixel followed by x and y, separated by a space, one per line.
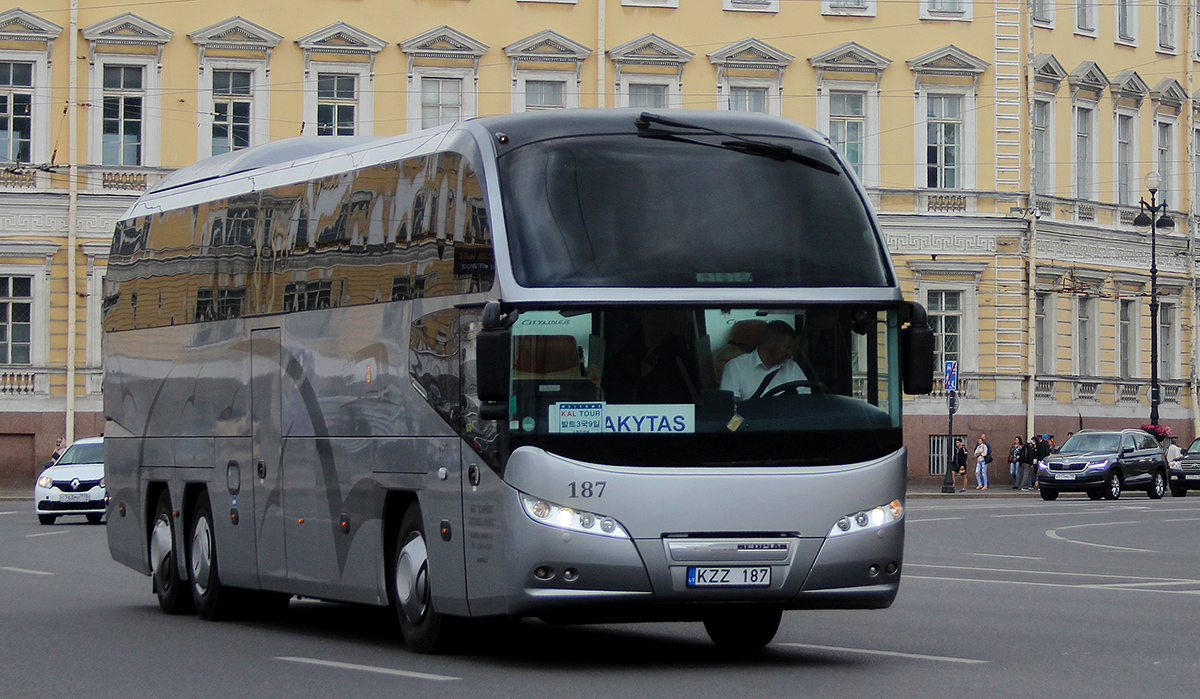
pixel 1153 216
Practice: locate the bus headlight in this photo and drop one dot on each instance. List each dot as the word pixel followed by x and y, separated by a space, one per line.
pixel 869 519
pixel 571 519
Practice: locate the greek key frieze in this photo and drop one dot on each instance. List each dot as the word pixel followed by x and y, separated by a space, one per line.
pixel 930 243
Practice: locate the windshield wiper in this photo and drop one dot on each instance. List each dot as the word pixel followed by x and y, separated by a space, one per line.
pixel 741 144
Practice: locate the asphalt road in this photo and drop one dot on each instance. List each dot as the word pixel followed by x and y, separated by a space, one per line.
pixel 1000 598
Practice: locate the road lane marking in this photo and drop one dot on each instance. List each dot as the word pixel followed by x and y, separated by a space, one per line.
pixel 1068 586
pixel 1040 572
pixel 1004 555
pixel 934 519
pixel 886 653
pixel 9 512
pixel 370 668
pixel 30 536
pixel 23 570
pixel 1054 534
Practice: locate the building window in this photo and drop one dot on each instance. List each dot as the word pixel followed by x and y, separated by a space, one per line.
pixel 945 317
pixel 861 8
pixel 748 99
pixel 1042 323
pixel 1041 136
pixel 847 126
pixel 337 100
pixel 1084 163
pixel 1085 16
pixel 122 121
pixel 1166 341
pixel 1126 20
pixel 958 10
pixel 939 452
pixel 16 318
pixel 943 144
pixel 642 96
pixel 1125 160
pixel 1042 11
pixel 750 5
pixel 16 111
pixel 1166 24
pixel 1165 156
pixel 232 107
pixel 1084 331
pixel 441 101
pixel 1126 339
pixel 545 94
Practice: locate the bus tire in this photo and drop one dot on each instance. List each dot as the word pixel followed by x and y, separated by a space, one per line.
pixel 425 630
pixel 213 600
pixel 743 628
pixel 169 586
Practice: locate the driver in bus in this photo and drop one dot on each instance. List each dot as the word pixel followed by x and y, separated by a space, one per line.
pixel 754 374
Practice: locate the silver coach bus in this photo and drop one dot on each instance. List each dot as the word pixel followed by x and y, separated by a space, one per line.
pixel 508 368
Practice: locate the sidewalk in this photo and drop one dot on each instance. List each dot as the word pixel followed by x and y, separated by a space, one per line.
pixel 16 493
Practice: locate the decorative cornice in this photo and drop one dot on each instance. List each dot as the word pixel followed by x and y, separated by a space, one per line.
pixel 548 46
pixel 948 60
pixel 650 50
pixel 235 34
pixel 443 42
pixel 28 248
pixel 1046 68
pixel 340 37
pixel 127 30
pixel 1087 76
pixel 753 54
pixel 850 57
pixel 1168 92
pixel 18 25
pixel 1129 85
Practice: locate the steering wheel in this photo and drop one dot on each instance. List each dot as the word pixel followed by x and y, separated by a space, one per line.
pixel 791 386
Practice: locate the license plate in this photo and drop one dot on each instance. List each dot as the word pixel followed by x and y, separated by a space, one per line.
pixel 1064 476
pixel 729 577
pixel 74 497
pixel 1193 477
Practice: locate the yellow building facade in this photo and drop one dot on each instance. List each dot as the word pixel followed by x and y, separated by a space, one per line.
pixel 1004 145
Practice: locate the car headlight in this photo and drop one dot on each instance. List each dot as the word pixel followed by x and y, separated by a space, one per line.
pixel 869 519
pixel 1096 465
pixel 45 482
pixel 571 519
pixel 101 481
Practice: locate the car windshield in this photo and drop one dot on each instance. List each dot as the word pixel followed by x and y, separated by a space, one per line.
pixel 689 386
pixel 1082 443
pixel 1195 447
pixel 82 454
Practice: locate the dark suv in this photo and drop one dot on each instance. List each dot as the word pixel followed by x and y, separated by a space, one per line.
pixel 1185 473
pixel 1102 463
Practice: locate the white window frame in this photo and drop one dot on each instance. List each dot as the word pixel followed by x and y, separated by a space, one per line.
pixel 670 80
pixel 1047 340
pixel 364 110
pixel 571 92
pixel 39 323
pixel 1134 10
pixel 1129 365
pixel 1169 353
pixel 968 353
pixel 934 10
pixel 1093 151
pixel 1090 8
pixel 1170 180
pixel 1168 43
pixel 772 86
pixel 1133 182
pixel 470 94
pixel 650 3
pixel 1092 336
pixel 1050 166
pixel 1046 19
pixel 750 5
pixel 969 157
pixel 151 107
pixel 41 107
pixel 853 8
pixel 871 175
pixel 260 101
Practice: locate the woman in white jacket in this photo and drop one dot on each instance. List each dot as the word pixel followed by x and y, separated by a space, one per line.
pixel 981 466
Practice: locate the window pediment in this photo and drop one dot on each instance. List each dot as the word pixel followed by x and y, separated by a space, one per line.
pixel 19 25
pixel 948 60
pixel 753 54
pixel 1047 69
pixel 340 37
pixel 1088 76
pixel 1129 85
pixel 235 34
pixel 1169 93
pixel 127 29
pixel 850 57
pixel 443 42
pixel 547 46
pixel 651 50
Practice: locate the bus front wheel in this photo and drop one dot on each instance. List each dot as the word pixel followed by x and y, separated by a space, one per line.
pixel 425 630
pixel 743 629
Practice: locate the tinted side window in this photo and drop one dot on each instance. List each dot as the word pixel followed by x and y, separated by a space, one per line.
pixel 1127 442
pixel 1147 442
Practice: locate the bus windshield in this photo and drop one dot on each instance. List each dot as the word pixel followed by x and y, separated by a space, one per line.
pixel 708 386
pixel 637 211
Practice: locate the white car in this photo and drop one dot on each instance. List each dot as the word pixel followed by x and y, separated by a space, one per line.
pixel 74 485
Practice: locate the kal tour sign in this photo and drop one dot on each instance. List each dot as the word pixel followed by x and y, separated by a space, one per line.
pixel 596 417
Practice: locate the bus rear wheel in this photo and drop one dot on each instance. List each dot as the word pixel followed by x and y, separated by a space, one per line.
pixel 164 566
pixel 424 628
pixel 743 629
pixel 213 600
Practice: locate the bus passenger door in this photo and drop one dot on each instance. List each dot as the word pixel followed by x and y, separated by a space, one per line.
pixel 265 472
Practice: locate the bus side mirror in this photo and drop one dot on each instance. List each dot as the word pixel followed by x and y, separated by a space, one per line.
pixel 916 352
pixel 493 362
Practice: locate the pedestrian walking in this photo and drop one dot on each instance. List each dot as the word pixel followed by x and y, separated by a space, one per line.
pixel 1028 457
pixel 960 464
pixel 1014 462
pixel 983 453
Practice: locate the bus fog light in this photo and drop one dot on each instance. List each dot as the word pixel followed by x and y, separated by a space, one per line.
pixel 570 575
pixel 543 572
